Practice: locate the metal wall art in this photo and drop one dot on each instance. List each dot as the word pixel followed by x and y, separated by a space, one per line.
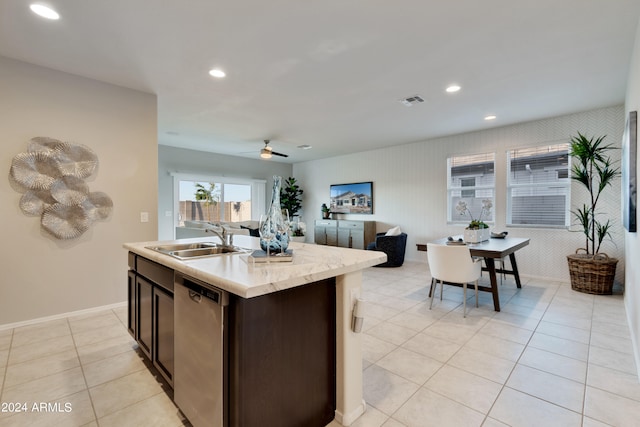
pixel 51 175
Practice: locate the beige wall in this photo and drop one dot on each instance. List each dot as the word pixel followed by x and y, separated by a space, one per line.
pixel 409 186
pixel 42 276
pixel 632 240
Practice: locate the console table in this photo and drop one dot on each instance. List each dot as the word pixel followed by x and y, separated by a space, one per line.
pixel 344 233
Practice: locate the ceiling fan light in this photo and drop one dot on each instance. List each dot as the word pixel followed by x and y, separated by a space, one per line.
pixel 265 154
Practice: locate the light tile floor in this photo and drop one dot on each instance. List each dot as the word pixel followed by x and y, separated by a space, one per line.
pixel 551 357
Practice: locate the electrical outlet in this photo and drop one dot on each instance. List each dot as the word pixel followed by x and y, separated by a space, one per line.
pixel 144 216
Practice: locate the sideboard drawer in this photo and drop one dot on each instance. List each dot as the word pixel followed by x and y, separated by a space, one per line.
pixel 353 225
pixel 327 223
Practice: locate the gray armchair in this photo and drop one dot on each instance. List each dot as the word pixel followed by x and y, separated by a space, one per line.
pixel 393 246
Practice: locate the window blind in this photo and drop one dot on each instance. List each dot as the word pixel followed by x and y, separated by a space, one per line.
pixel 538 186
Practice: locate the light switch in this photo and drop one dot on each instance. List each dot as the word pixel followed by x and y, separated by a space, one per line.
pixel 144 216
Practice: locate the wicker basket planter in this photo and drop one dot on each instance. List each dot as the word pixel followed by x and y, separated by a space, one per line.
pixel 592 274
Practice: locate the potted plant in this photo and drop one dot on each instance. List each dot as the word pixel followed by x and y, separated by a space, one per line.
pixel 325 211
pixel 299 229
pixel 592 271
pixel 290 196
pixel 477 231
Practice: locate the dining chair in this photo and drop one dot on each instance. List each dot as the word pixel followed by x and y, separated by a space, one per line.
pixel 453 264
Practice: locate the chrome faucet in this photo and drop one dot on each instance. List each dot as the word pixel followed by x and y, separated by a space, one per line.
pixel 225 238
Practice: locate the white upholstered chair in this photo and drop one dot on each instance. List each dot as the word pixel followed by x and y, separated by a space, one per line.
pixel 454 264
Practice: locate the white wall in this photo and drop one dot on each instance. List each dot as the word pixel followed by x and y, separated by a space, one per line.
pixel 410 186
pixel 172 160
pixel 42 276
pixel 632 240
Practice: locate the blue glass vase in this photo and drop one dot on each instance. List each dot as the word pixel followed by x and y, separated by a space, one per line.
pixel 276 223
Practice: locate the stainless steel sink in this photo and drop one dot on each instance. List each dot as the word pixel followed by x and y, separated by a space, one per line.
pixel 184 251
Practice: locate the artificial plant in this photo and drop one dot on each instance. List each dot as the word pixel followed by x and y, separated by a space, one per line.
pixel 594 169
pixel 290 196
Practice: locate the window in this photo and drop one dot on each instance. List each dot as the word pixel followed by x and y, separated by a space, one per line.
pixel 468 182
pixel 472 180
pixel 538 186
pixel 213 199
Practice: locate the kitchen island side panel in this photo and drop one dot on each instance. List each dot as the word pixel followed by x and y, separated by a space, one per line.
pixel 282 357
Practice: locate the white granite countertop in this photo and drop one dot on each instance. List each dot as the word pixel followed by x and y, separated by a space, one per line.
pixel 236 274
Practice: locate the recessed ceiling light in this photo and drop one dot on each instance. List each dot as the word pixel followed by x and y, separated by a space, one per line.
pixel 490 117
pixel 453 88
pixel 44 11
pixel 216 72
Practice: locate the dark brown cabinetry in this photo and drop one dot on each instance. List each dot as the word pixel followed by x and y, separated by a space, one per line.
pixel 150 290
pixel 279 349
pixel 282 357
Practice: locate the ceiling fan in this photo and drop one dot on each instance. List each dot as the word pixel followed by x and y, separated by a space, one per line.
pixel 267 151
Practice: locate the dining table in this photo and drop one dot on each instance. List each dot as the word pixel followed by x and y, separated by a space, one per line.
pixel 490 250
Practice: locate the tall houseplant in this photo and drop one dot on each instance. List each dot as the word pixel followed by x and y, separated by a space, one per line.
pixel 592 271
pixel 290 196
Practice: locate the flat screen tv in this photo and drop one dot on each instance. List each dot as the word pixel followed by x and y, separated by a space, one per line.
pixel 354 198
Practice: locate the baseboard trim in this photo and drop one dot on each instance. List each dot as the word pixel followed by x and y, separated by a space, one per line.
pixel 348 419
pixel 62 316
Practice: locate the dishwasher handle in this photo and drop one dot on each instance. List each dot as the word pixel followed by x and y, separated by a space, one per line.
pixel 199 290
pixel 195 297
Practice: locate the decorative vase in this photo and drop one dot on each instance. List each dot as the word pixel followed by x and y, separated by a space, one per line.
pixel 275 222
pixel 477 235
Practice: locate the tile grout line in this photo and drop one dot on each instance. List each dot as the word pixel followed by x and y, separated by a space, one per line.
pixel 84 378
pixel 504 385
pixel 6 365
pixel 445 363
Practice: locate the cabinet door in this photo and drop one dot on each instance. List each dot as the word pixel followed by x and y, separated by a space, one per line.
pixel 320 235
pixel 144 298
pixel 163 333
pixel 344 235
pixel 357 239
pixel 332 236
pixel 131 297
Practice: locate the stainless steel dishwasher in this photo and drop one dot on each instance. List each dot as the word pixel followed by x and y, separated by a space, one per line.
pixel 199 375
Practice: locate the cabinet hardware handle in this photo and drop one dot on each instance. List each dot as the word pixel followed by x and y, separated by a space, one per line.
pixel 195 297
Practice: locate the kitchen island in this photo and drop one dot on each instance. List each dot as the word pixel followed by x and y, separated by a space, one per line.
pixel 290 356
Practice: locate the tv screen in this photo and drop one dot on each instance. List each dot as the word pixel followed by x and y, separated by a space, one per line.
pixel 355 198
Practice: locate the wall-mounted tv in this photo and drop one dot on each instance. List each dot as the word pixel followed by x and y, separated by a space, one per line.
pixel 355 198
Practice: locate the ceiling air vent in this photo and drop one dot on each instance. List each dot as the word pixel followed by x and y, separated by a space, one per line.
pixel 408 102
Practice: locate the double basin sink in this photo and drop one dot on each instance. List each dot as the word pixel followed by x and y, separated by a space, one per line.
pixel 185 251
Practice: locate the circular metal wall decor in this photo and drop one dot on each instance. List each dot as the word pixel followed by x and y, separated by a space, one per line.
pixel 51 175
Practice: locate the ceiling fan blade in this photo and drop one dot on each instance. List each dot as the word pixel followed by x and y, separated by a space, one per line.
pixel 279 154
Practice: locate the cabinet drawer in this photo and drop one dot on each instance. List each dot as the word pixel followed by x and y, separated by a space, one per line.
pixel 353 225
pixel 159 274
pixel 326 223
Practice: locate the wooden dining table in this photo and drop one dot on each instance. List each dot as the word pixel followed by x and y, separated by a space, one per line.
pixel 491 250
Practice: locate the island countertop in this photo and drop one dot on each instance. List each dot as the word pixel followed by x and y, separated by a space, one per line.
pixel 236 273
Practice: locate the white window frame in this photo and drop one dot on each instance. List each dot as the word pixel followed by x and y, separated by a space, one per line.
pixel 478 188
pixel 562 183
pixel 258 191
